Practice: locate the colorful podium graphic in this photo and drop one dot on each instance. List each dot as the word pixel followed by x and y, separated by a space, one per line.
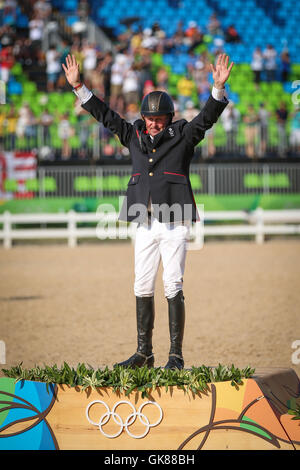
pixel 252 416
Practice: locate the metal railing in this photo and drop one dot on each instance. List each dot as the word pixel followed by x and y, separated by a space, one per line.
pixel 96 142
pixel 211 179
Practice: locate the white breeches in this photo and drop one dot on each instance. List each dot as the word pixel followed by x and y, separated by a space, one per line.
pixel 157 241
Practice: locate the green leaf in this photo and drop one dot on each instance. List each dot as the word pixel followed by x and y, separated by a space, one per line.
pixel 123 379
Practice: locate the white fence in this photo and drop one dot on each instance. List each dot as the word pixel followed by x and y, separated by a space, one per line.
pixel 257 224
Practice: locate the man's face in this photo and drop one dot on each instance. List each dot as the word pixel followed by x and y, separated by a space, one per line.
pixel 156 124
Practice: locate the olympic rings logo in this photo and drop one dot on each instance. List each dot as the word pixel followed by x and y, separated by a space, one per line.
pixel 129 420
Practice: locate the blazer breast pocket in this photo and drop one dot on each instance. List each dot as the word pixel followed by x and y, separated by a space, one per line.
pixel 175 177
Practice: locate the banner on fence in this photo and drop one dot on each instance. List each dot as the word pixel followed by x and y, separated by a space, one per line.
pixel 16 169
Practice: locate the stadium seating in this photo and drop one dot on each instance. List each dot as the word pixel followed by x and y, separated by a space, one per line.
pixel 258 22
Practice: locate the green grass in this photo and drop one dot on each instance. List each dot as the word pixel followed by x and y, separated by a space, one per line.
pixel 127 380
pixel 219 202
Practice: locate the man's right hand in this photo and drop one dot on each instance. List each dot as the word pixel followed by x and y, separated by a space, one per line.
pixel 72 71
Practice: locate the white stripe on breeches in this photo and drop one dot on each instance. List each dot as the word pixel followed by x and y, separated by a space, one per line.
pixel 157 241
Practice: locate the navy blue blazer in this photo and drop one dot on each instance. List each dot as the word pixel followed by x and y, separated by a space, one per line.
pixel 160 168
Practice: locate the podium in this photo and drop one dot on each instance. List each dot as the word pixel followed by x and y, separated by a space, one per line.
pixel 251 416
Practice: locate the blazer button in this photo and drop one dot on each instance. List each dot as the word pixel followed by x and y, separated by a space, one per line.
pixel 151 174
pixel 150 160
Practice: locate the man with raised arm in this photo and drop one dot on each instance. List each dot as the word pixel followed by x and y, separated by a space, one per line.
pixel 159 197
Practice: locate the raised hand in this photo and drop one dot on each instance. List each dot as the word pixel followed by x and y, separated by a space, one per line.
pixel 72 70
pixel 221 71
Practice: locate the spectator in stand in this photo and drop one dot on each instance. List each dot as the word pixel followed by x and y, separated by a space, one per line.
pixel 7 61
pixel 76 50
pixel 162 79
pixel 10 128
pixel 264 116
pixel 190 111
pixel 194 36
pixel 2 127
pixel 282 118
pixel 144 64
pixel 84 124
pixel 257 65
pixel 178 38
pixel 46 120
pixel 231 34
pixel 36 31
pixel 10 11
pixel 31 133
pixel 191 29
pixel 23 52
pixel 130 89
pixel 285 66
pixel 203 89
pixel 148 87
pixel 230 119
pixel 26 126
pixel 7 35
pixel 218 43
pixel 251 121
pixel 83 9
pixel 295 130
pixel 79 29
pixel 53 68
pixel 104 69
pixel 24 120
pixel 136 42
pixel 64 48
pixel 270 56
pixel 89 53
pixel 177 115
pixel 132 113
pixel 65 132
pixel 149 41
pixel 118 69
pixel 197 40
pixel 209 149
pixel 160 35
pixel 191 62
pixel 42 9
pixel 199 68
pixel 185 89
pixel 214 26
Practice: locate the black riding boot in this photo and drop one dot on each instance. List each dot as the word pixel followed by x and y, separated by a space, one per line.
pixel 145 324
pixel 176 328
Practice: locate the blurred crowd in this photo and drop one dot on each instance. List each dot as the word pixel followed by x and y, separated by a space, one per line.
pixel 266 61
pixel 123 76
